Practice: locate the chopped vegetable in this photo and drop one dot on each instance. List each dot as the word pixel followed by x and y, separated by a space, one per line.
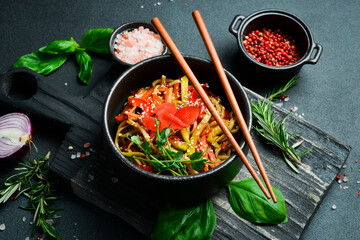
pixel 15 134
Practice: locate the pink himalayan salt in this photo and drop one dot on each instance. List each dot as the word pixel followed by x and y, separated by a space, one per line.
pixel 137 45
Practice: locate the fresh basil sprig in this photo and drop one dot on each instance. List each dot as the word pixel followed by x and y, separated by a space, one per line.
pixel 61 46
pixel 249 202
pixel 51 57
pixel 42 63
pixel 185 221
pixel 85 66
pixel 96 40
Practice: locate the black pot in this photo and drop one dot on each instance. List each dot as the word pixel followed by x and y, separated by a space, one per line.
pixel 183 188
pixel 288 23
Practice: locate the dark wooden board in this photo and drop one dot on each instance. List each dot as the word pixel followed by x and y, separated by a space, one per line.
pixel 95 178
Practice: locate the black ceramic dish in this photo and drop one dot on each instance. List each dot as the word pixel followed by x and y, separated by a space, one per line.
pixel 287 23
pixel 128 27
pixel 171 187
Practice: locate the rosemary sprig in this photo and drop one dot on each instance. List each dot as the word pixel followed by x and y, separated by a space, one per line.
pixel 277 93
pixel 275 131
pixel 34 178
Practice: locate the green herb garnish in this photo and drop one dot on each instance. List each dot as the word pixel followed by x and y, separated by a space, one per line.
pixel 52 56
pixel 275 131
pixel 185 221
pixel 248 201
pixel 169 160
pixel 33 182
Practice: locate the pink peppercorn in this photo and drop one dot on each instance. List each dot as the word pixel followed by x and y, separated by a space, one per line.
pixel 272 48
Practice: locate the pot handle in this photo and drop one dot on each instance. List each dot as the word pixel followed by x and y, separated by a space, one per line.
pixel 317 55
pixel 232 27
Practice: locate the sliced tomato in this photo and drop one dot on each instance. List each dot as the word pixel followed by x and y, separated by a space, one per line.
pixel 188 114
pixel 171 117
pixel 149 123
pixel 165 108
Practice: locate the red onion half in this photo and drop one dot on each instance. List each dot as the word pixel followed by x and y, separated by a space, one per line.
pixel 15 134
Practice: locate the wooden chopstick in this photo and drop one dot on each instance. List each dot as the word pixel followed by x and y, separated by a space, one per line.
pixel 231 97
pixel 185 67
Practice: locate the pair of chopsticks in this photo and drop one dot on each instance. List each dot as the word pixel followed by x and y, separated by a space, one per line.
pixel 229 93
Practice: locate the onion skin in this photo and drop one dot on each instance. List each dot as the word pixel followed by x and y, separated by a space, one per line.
pixel 16 133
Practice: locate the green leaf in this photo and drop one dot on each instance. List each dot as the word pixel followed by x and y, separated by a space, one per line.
pixel 135 139
pixel 249 202
pixel 147 149
pixel 178 156
pixel 97 40
pixel 198 166
pixel 85 66
pixel 42 63
pixel 61 46
pixel 195 221
pixel 196 155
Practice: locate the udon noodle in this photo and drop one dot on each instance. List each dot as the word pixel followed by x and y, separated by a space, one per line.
pixel 171 110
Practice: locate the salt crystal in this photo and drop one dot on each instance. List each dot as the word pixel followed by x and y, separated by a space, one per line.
pixel 142 6
pixel 2 227
pixel 65 84
pixel 333 207
pixel 24 219
pixel 344 166
pixel 87 153
pixel 339 181
pixel 78 154
pixel 27 238
pixel 91 177
pixel 345 187
pixel 73 156
pixel 286 99
pixel 358 182
pixel 114 180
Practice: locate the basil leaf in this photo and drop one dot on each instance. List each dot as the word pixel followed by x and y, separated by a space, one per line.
pixel 61 46
pixel 195 221
pixel 249 202
pixel 42 63
pixel 97 40
pixel 198 166
pixel 85 66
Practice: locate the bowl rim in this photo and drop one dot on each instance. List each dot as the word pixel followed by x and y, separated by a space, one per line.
pixel 138 170
pixel 267 12
pixel 126 27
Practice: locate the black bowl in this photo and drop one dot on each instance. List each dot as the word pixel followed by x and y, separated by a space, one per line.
pixel 182 188
pixel 128 27
pixel 289 24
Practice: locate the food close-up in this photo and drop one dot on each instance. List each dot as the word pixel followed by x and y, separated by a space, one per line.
pixel 179 120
